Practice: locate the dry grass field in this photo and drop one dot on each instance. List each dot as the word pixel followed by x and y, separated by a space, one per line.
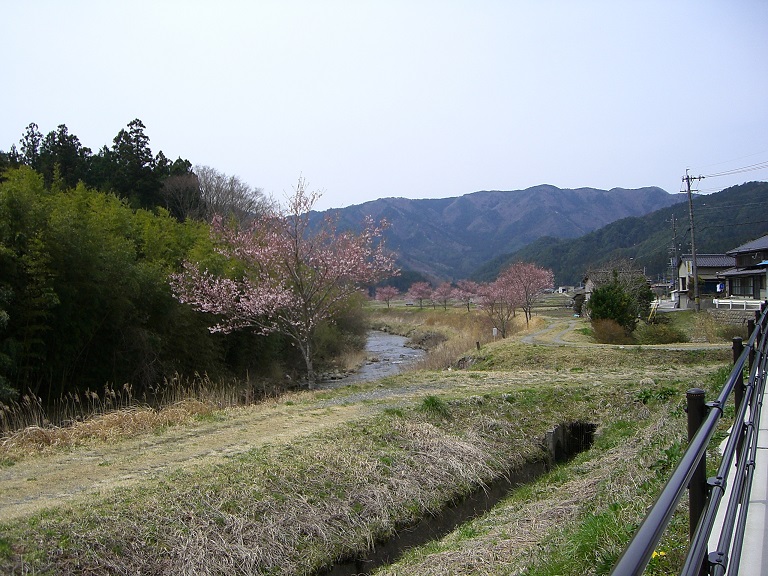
pixel 293 484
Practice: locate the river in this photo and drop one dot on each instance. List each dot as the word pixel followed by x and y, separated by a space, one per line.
pixel 386 355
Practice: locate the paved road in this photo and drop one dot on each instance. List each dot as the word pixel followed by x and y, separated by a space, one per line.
pixel 754 551
pixel 754 554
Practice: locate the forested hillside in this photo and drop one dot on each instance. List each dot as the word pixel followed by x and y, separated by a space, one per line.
pixel 450 238
pixel 88 244
pixel 722 221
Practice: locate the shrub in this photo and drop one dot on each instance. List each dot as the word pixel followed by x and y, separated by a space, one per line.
pixel 609 331
pixel 611 302
pixel 661 333
pixel 624 300
pixel 730 331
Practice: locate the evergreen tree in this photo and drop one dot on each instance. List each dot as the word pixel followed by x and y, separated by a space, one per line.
pixel 612 302
pixel 30 146
pixel 135 177
pixel 61 151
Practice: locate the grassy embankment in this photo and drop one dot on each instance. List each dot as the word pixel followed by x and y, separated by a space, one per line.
pixel 426 437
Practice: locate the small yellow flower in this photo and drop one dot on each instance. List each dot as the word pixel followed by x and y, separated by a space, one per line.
pixel 659 554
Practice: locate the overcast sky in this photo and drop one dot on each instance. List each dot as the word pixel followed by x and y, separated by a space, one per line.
pixel 421 99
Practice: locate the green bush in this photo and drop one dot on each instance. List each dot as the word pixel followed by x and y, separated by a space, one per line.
pixel 612 302
pixel 435 406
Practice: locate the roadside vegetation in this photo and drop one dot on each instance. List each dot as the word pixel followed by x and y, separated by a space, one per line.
pixel 427 437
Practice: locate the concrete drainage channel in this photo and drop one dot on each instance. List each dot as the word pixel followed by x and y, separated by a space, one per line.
pixel 562 443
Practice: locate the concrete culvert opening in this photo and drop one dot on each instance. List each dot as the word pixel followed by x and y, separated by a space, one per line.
pixel 566 440
pixel 560 445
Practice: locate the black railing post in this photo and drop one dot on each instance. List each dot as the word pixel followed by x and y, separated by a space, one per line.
pixel 752 325
pixel 738 348
pixel 697 488
pixel 738 392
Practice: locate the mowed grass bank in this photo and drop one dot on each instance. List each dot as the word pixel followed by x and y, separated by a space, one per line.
pixel 430 438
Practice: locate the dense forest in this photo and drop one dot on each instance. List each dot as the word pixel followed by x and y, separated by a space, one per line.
pixel 723 221
pixel 87 244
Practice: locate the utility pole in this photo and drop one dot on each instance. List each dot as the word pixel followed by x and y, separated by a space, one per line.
pixel 673 263
pixel 687 179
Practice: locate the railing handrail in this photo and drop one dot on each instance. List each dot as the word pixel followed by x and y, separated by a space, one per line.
pixel 639 551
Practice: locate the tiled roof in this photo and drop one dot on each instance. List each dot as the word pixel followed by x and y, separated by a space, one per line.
pixel 753 246
pixel 731 272
pixel 712 260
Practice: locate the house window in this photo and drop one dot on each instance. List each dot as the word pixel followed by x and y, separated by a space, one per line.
pixel 742 286
pixel 683 284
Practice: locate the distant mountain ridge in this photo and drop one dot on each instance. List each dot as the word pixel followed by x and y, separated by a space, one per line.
pixel 723 221
pixel 451 238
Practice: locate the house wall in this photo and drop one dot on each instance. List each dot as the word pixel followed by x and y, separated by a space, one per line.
pixel 707 277
pixel 750 259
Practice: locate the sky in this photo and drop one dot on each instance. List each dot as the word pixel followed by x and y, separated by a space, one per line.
pixel 368 99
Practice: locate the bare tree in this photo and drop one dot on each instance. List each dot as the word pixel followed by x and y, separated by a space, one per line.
pixel 228 195
pixel 624 273
pixel 182 196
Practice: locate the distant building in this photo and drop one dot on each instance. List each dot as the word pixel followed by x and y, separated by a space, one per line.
pixel 748 276
pixel 708 267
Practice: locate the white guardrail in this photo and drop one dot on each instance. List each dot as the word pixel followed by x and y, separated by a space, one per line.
pixel 737 304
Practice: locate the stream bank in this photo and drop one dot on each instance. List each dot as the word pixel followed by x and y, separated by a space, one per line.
pixel 386 355
pixel 559 445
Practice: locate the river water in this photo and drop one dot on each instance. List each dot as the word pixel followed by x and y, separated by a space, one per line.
pixel 386 355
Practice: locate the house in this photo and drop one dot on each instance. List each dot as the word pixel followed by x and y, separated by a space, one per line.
pixel 747 279
pixel 708 268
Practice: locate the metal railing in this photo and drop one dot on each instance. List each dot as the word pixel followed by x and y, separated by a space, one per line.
pixel 707 495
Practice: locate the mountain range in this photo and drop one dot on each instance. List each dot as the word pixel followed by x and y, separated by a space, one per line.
pixel 722 221
pixel 452 238
pixel 566 230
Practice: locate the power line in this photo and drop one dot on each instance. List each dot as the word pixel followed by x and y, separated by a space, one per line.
pixel 751 168
pixel 721 207
pixel 735 159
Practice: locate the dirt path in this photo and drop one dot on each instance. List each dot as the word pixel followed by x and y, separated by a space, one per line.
pixel 64 476
pixel 553 333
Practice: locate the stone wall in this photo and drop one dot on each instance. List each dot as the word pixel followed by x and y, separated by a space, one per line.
pixel 736 317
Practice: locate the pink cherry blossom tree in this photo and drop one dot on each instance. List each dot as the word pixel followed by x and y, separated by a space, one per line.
pixel 443 294
pixel 291 277
pixel 466 292
pixel 420 291
pixel 528 281
pixel 498 300
pixel 387 294
pixel 518 286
